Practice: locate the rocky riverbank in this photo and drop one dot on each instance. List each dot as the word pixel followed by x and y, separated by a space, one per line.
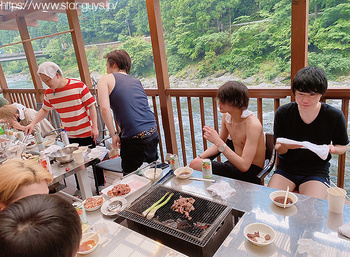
pixel 214 81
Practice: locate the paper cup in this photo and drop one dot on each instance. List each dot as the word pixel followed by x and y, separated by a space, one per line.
pixel 335 199
pixel 79 156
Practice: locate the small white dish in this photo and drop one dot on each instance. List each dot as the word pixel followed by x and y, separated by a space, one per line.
pixel 183 172
pixel 49 142
pixel 282 194
pixel 95 238
pixel 263 230
pixel 105 210
pixel 149 173
pixel 72 145
pixel 93 198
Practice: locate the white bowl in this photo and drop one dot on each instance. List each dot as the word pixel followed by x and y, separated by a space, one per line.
pixel 263 230
pixel 183 172
pixel 49 142
pixel 72 145
pixel 96 238
pixel 149 173
pixel 282 193
pixel 105 211
pixel 96 207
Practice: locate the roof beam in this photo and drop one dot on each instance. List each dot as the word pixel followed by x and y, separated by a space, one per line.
pixel 28 49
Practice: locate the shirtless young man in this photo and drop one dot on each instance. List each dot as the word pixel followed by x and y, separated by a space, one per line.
pixel 245 149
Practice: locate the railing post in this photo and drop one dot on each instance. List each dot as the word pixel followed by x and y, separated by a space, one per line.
pixel 342 158
pixel 161 67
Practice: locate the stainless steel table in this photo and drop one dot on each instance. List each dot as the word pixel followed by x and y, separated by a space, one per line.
pixel 62 171
pixel 308 218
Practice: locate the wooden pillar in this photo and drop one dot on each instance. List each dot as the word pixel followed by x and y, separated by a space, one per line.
pixel 160 63
pixel 79 48
pixel 28 49
pixel 300 20
pixel 3 83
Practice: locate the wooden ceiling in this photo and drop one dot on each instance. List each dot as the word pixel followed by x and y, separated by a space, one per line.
pixel 35 10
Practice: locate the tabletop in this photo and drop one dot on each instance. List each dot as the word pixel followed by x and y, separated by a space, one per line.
pixel 308 219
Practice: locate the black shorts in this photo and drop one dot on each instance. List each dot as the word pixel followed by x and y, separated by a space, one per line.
pixel 299 179
pixel 135 151
pixel 229 170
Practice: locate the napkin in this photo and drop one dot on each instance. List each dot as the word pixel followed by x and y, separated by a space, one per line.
pixel 51 149
pixel 321 150
pixel 222 190
pixel 309 246
pixel 98 152
pixel 345 230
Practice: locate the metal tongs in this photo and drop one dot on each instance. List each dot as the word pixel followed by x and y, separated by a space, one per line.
pixel 22 146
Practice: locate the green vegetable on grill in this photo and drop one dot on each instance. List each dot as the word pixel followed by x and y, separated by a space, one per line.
pixel 154 205
pixel 151 214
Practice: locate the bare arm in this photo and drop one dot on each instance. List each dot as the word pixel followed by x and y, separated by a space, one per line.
pixel 16 125
pixel 41 115
pixel 283 148
pixel 93 114
pixel 337 149
pixel 103 86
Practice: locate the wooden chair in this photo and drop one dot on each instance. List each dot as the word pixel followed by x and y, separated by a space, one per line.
pixel 270 157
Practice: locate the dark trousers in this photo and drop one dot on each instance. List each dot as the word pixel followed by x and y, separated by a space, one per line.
pixel 135 151
pixel 91 143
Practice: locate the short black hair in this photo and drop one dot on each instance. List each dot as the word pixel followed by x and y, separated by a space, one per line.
pixel 121 58
pixel 234 93
pixel 310 79
pixel 40 225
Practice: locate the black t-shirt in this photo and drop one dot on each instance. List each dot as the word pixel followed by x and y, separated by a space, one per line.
pixel 328 128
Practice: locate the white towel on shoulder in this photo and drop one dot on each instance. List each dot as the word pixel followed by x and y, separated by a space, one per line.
pixel 245 114
pixel 321 150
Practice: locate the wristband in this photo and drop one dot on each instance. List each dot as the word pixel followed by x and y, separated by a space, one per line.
pixel 115 133
pixel 200 156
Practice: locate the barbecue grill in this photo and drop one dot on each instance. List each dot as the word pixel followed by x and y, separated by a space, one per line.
pixel 201 236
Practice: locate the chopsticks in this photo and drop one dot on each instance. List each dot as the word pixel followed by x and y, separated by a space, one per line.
pixel 337 189
pixel 286 197
pixel 94 234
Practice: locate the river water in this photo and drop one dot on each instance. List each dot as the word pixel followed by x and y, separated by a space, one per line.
pixel 268 115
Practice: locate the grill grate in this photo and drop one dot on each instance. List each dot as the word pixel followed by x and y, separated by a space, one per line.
pixel 206 213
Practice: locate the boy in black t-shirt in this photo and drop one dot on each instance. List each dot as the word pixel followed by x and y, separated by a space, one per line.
pixel 307 119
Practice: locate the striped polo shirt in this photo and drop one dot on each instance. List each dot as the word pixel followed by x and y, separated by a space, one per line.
pixel 72 102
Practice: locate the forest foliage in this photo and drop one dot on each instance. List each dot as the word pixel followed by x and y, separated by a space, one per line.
pixel 245 37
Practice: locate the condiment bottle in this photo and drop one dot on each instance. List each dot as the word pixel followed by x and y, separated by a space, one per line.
pixel 64 137
pixel 45 161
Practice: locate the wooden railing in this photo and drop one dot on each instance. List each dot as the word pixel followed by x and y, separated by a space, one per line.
pixel 186 100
